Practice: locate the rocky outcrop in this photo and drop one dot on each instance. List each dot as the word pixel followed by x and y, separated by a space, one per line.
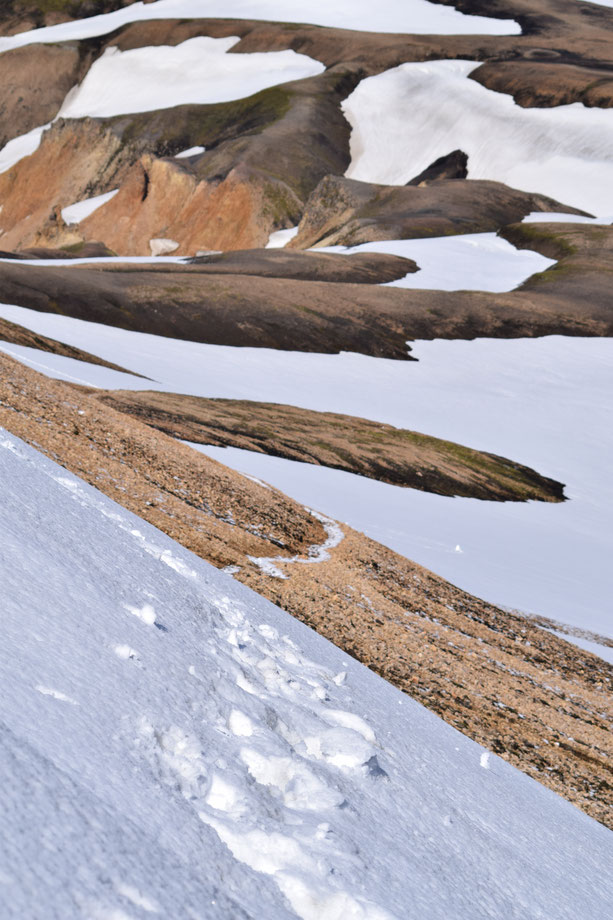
pixel 359 268
pixel 344 212
pixel 452 166
pixel 34 81
pixel 75 160
pixel 92 250
pixel 341 442
pixel 264 155
pixel 545 83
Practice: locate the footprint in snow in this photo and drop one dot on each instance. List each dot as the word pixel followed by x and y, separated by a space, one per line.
pixel 56 694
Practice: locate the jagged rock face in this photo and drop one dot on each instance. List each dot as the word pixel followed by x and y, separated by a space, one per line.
pixel 48 72
pixel 74 161
pixel 452 166
pixel 345 212
pixel 264 156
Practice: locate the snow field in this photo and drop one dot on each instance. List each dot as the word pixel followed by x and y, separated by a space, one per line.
pixel 541 402
pixel 199 71
pixel 405 118
pixel 410 16
pixel 472 261
pixel 259 770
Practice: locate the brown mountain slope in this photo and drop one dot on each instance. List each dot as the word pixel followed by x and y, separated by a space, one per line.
pixel 264 155
pixel 189 302
pixel 344 212
pixel 341 442
pixel 538 702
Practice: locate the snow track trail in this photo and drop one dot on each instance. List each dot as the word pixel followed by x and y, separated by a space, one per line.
pixel 152 705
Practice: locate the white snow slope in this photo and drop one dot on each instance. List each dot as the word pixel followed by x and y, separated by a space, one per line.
pixel 467 262
pixel 175 746
pixel 198 70
pixel 410 16
pixel 405 118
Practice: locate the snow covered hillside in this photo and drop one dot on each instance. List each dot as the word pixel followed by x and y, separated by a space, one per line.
pixel 175 746
pixel 410 16
pixel 404 119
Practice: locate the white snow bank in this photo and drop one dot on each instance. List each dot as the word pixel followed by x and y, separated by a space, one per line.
pixel 475 261
pixel 542 402
pixel 554 217
pixel 21 147
pixel 77 212
pixel 190 152
pixel 198 70
pixel 281 238
pixel 405 118
pixel 240 765
pixel 411 16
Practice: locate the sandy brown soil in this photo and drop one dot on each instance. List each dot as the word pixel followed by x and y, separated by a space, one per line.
pixel 540 703
pixel 344 212
pixel 341 442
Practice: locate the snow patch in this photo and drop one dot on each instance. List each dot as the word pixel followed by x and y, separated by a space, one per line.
pixel 56 694
pixel 146 613
pixel 281 238
pixel 190 152
pixel 197 71
pixel 77 212
pixel 317 553
pixel 467 262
